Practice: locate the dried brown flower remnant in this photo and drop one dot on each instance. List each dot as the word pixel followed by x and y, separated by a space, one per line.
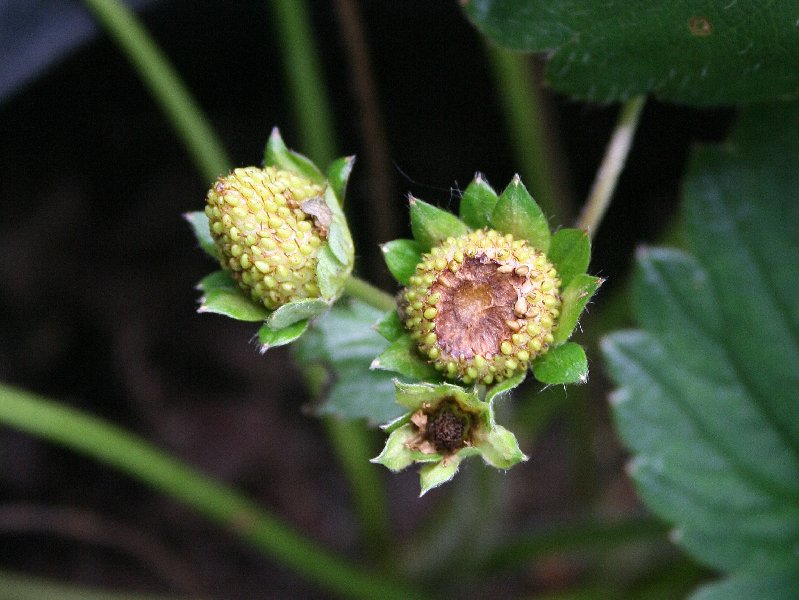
pixel 482 306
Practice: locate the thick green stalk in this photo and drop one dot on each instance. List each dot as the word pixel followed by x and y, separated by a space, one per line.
pixel 304 77
pixel 312 113
pixel 366 292
pixel 114 446
pixel 525 116
pixel 165 85
pixel 612 164
pixel 353 442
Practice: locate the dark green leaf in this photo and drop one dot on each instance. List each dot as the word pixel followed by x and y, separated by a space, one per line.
pixel 431 225
pixel 222 296
pixel 276 154
pixel 401 258
pixel 562 364
pixel 478 203
pixel 707 397
pixel 271 338
pixel 390 326
pixel 401 357
pixel 293 312
pixel 338 174
pixel 199 225
pixel 570 253
pixel 518 214
pixel 574 296
pixel 344 342
pixel 690 52
pixel 782 585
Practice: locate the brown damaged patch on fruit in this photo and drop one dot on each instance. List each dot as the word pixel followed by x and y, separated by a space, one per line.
pixel 476 304
pixel 482 306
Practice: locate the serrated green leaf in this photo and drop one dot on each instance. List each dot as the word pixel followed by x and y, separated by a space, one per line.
pixel 574 296
pixel 478 203
pixel 390 326
pixel 562 364
pixel 518 214
pixel 223 297
pixel 293 312
pixel 689 52
pixel 202 231
pixel 344 342
pixel 401 258
pixel 271 338
pixel 570 253
pixel 782 585
pixel 431 225
pixel 276 154
pixel 401 357
pixel 338 174
pixel 707 396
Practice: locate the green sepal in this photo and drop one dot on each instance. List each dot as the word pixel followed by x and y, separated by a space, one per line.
pixel 401 258
pixel 276 154
pixel 390 326
pixel 477 203
pixel 271 338
pixel 574 297
pixel 293 312
pixel 330 274
pixel 395 455
pixel 338 174
pixel 500 448
pixel 414 396
pixel 433 475
pixel 431 225
pixel 339 238
pixel 222 296
pixel 504 386
pixel 562 364
pixel 518 214
pixel 202 231
pixel 570 253
pixel 401 357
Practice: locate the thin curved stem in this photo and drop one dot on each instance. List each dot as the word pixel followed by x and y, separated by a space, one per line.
pixel 612 164
pixel 138 458
pixel 166 87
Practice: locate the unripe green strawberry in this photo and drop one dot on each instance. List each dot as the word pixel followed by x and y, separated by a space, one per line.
pixel 266 225
pixel 482 306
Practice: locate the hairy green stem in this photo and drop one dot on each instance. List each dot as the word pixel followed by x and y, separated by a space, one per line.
pixel 612 164
pixel 140 459
pixel 165 85
pixel 304 77
pixel 526 121
pixel 366 292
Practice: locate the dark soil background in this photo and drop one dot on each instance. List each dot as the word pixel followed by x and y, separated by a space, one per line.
pixel 97 299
